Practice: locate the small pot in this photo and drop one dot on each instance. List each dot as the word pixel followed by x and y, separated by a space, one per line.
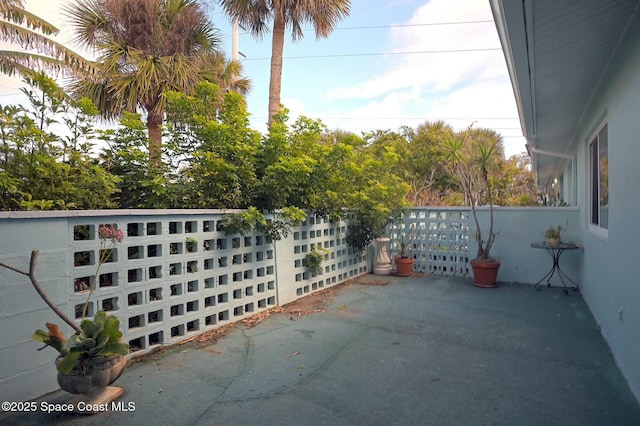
pixel 552 241
pixel 404 266
pixel 91 376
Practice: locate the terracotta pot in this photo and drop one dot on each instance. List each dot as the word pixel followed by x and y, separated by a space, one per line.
pixel 485 274
pixel 91 376
pixel 553 241
pixel 404 266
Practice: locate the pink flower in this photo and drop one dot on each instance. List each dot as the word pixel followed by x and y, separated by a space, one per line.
pixel 106 232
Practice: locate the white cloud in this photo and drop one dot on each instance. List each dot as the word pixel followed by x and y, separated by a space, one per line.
pixel 473 85
pixel 435 71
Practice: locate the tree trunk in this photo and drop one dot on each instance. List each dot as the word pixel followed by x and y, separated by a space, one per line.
pixel 277 49
pixel 154 127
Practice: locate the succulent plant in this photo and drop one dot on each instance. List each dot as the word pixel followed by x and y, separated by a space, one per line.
pixel 99 337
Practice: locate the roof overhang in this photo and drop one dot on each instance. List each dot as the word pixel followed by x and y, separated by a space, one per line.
pixel 557 53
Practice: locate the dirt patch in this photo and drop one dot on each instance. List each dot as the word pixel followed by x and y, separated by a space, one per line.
pixel 205 339
pixel 371 281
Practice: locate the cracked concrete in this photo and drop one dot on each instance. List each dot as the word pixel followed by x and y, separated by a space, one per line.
pixel 421 350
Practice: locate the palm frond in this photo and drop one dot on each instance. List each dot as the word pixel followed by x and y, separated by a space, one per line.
pixel 24 63
pixel 254 15
pixel 21 28
pixel 13 11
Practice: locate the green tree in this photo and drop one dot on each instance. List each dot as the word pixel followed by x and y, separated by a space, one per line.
pixel 210 134
pixel 290 159
pixel 474 157
pixel 426 170
pixel 144 48
pixel 226 73
pixel 31 32
pixel 255 15
pixel 41 170
pixel 515 183
pixel 126 155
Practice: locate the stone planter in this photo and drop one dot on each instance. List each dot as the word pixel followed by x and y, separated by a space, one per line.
pixel 92 376
pixel 383 262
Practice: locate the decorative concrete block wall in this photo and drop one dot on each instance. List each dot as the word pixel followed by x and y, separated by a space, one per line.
pixel 340 263
pixel 437 238
pixel 175 275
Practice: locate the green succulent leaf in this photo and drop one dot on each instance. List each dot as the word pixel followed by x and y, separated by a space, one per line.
pixel 116 348
pixel 66 365
pixel 112 328
pixel 91 328
pixel 103 340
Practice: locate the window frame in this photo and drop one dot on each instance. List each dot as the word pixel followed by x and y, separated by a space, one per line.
pixel 594 158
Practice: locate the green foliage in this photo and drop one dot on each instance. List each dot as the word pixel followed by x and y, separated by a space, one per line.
pixel 275 228
pixel 313 260
pixel 143 49
pixel 48 339
pixel 474 156
pixel 213 159
pixel 280 226
pixel 242 223
pixel 213 146
pixel 126 155
pixel 39 168
pixel 33 34
pixel 553 233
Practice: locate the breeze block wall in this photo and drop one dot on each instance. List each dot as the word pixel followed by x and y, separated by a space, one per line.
pixel 175 275
pixel 437 238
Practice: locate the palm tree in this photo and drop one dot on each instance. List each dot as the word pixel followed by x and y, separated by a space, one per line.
pixel 31 32
pixel 226 73
pixel 143 48
pixel 256 14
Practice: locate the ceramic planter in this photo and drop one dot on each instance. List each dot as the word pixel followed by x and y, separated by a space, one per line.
pixel 404 266
pixel 485 274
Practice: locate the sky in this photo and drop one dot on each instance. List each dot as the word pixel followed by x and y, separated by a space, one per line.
pixel 390 63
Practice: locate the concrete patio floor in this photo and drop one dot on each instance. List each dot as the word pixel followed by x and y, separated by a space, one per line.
pixel 424 350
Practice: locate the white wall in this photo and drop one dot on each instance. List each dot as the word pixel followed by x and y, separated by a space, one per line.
pixel 611 286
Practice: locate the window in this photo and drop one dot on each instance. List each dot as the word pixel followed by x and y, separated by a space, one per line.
pixel 599 179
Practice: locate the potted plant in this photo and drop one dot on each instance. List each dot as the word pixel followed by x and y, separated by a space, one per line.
pixel 404 263
pixel 552 236
pixel 471 156
pixel 93 357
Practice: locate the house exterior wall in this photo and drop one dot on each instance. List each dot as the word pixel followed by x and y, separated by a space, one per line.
pixel 516 228
pixel 610 282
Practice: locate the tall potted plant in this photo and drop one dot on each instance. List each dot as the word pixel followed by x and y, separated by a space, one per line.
pixel 404 262
pixel 472 155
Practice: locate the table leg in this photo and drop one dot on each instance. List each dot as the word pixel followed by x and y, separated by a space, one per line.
pixel 555 255
pixel 549 274
pixel 565 288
